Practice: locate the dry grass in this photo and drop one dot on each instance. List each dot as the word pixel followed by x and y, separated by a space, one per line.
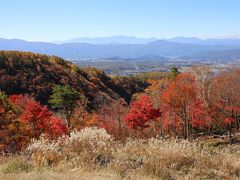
pixel 94 154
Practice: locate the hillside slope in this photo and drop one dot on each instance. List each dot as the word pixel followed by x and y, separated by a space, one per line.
pixel 35 74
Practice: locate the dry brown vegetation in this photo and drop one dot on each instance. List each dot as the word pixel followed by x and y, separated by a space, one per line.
pixel 93 154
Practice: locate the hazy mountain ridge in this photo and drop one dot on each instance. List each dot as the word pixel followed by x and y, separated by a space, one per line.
pixel 110 40
pixel 194 40
pixel 231 54
pixel 136 40
pixel 86 50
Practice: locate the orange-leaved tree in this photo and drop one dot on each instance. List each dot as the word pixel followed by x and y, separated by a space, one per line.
pixel 183 109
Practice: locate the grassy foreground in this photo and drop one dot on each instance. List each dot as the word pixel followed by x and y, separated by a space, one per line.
pixel 94 154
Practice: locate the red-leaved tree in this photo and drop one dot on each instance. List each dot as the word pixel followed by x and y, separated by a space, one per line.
pixel 36 118
pixel 141 112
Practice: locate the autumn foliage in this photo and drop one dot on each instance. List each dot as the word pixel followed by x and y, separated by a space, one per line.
pixel 185 105
pixel 192 103
pixel 27 119
pixel 38 119
pixel 141 112
pixel 36 75
pixel 185 110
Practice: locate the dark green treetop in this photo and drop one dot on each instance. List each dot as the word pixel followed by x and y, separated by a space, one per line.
pixel 174 72
pixel 64 98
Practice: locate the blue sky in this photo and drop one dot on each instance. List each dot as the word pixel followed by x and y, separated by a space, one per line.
pixel 50 20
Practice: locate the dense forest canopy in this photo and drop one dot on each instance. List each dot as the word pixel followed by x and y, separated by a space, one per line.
pixel 35 74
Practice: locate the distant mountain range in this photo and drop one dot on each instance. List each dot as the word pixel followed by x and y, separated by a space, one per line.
pixel 225 55
pixel 193 40
pixel 110 40
pixel 130 47
pixel 136 40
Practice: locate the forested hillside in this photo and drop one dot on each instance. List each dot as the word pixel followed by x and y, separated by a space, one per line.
pixel 62 118
pixel 35 75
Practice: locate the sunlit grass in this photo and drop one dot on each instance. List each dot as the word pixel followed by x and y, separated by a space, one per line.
pixel 93 154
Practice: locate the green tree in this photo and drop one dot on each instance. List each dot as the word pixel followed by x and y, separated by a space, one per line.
pixel 174 72
pixel 4 103
pixel 65 98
